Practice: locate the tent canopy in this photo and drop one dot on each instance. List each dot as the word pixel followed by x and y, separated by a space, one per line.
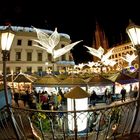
pixel 25 78
pixel 47 80
pixel 98 80
pixel 77 93
pixel 122 78
pixel 73 80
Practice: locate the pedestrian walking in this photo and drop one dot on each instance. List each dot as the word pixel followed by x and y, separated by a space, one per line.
pixel 16 98
pixel 93 98
pixel 135 92
pixel 123 93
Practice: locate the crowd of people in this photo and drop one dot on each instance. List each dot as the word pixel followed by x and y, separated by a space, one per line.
pixel 108 96
pixel 54 100
pixel 41 100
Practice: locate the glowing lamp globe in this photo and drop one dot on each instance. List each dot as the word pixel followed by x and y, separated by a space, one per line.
pixel 6 39
pixel 133 32
pixel 77 101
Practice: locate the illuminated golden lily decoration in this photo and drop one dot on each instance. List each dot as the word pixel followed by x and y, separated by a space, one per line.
pixel 49 42
pixel 103 57
pixel 129 58
pixel 91 64
pixel 98 53
pixel 81 65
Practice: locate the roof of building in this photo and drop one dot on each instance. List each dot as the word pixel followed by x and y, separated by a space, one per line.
pixel 30 29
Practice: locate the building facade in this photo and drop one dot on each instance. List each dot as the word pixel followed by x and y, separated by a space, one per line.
pixel 120 51
pixel 26 57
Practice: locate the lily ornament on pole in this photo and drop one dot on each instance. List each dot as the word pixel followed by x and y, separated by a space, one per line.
pixel 49 42
pixel 98 53
pixel 103 57
pixel 129 58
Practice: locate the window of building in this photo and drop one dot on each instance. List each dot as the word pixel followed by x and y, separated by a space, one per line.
pixel 29 42
pixel 39 56
pixel 19 42
pixel 29 56
pixel 18 56
pixel 131 52
pixel 18 69
pixel 63 57
pixel 29 69
pixel 39 69
pixel 123 54
pixel 49 57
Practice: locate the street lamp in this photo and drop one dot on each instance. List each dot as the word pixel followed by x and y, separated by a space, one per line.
pixel 133 32
pixel 6 40
pixel 7 37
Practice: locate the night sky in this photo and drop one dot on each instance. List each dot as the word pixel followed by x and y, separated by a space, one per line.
pixel 76 18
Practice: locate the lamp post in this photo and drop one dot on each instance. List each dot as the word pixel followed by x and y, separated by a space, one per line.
pixel 6 41
pixel 133 32
pixel 77 100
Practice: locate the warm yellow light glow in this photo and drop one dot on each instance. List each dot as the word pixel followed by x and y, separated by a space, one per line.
pixel 134 34
pixel 81 104
pixel 129 58
pixel 6 40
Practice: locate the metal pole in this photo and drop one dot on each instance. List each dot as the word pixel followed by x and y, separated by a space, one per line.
pixel 53 61
pixel 75 120
pixel 5 57
pixel 138 96
pixel 5 53
pixel 138 51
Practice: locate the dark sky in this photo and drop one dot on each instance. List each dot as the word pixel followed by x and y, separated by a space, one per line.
pixel 76 18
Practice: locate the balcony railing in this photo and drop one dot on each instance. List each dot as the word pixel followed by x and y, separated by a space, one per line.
pixel 102 123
